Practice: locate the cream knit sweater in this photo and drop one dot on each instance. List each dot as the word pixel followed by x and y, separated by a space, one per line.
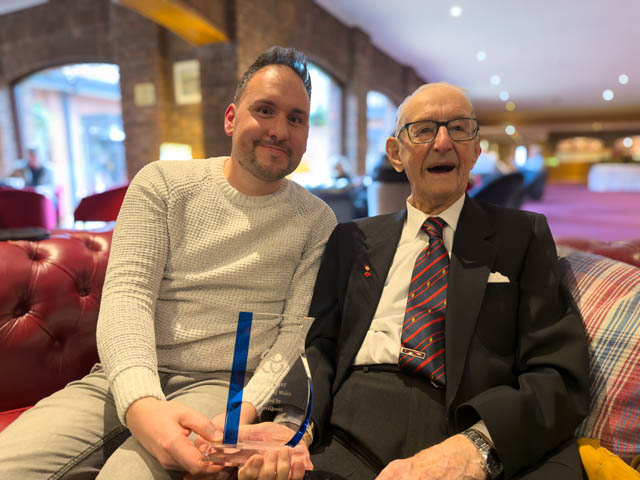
pixel 189 251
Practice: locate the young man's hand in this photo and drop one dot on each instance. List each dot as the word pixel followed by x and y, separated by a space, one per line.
pixel 163 428
pixel 248 414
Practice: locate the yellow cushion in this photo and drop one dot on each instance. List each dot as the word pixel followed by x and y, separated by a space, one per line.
pixel 601 464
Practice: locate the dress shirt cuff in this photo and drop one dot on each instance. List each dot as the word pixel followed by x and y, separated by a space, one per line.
pixel 482 428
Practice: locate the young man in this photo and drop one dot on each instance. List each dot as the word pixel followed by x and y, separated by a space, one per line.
pixel 195 242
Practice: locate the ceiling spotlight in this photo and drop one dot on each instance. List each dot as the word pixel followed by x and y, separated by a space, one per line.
pixel 481 55
pixel 455 11
pixel 623 79
pixel 495 79
pixel 510 106
pixel 510 130
pixel 627 142
pixel 504 95
pixel 607 95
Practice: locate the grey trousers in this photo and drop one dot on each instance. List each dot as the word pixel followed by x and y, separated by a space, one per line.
pixel 75 433
pixel 378 416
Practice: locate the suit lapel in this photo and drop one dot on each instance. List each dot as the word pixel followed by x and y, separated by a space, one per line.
pixel 380 237
pixel 472 256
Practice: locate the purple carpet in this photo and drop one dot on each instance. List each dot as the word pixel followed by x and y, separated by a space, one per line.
pixel 574 211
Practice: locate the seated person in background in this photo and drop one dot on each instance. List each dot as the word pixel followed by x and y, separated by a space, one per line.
pixel 444 345
pixel 37 174
pixel 383 171
pixel 195 242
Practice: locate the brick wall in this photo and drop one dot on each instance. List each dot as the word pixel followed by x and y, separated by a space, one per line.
pixel 75 31
pixel 7 133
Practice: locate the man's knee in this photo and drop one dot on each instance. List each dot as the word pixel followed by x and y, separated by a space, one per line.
pixel 130 457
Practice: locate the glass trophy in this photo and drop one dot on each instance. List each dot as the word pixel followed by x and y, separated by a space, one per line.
pixel 285 375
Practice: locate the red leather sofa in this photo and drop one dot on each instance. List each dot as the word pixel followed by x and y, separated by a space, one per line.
pixel 49 297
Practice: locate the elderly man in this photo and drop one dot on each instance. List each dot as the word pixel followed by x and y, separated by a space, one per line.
pixel 444 345
pixel 194 243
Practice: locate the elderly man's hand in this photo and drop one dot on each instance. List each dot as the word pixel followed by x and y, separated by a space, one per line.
pixel 455 458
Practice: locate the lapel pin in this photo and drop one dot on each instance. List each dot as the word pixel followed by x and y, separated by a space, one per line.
pixel 367 272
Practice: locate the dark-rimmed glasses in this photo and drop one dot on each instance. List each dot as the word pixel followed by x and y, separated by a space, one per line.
pixel 425 131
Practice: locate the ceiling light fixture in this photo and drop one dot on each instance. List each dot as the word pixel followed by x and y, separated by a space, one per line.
pixel 510 130
pixel 623 79
pixel 455 11
pixel 607 95
pixel 481 55
pixel 504 95
pixel 627 142
pixel 510 106
pixel 495 79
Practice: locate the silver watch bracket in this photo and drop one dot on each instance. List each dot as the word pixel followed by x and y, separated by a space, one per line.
pixel 492 464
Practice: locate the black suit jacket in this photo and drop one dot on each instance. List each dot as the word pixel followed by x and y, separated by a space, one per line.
pixel 516 353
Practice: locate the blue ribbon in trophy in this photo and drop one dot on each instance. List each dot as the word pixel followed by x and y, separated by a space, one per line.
pixel 236 385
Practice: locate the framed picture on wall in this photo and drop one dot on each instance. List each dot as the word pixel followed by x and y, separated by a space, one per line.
pixel 186 82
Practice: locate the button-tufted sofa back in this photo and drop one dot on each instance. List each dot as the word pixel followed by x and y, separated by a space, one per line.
pixel 49 298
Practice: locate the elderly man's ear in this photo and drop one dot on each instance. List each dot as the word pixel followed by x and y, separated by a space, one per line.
pixel 477 149
pixel 393 153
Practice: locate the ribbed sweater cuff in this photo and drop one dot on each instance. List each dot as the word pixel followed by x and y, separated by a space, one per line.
pixel 131 385
pixel 254 397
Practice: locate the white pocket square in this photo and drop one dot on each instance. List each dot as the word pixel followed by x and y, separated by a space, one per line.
pixel 497 277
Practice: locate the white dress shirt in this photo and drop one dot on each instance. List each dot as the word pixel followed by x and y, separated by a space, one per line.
pixel 382 342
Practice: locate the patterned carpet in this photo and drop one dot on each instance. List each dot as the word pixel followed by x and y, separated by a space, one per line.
pixel 574 211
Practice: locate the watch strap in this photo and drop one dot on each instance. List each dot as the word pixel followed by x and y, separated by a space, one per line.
pixel 492 464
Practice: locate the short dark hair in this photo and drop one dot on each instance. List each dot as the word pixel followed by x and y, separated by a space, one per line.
pixel 286 56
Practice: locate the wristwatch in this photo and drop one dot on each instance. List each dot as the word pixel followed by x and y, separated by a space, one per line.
pixel 492 464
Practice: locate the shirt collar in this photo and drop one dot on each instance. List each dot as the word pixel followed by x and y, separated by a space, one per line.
pixel 415 217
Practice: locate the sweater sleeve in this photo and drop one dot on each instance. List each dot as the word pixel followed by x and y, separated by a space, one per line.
pixel 125 330
pixel 290 340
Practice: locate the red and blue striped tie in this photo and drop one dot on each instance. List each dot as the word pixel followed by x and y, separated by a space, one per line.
pixel 422 349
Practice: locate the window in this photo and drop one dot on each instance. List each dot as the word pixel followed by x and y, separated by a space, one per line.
pixel 71 116
pixel 325 131
pixel 381 123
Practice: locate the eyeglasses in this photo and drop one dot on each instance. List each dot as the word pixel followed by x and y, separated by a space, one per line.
pixel 425 131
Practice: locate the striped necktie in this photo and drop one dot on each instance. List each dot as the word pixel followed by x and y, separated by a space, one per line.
pixel 422 349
